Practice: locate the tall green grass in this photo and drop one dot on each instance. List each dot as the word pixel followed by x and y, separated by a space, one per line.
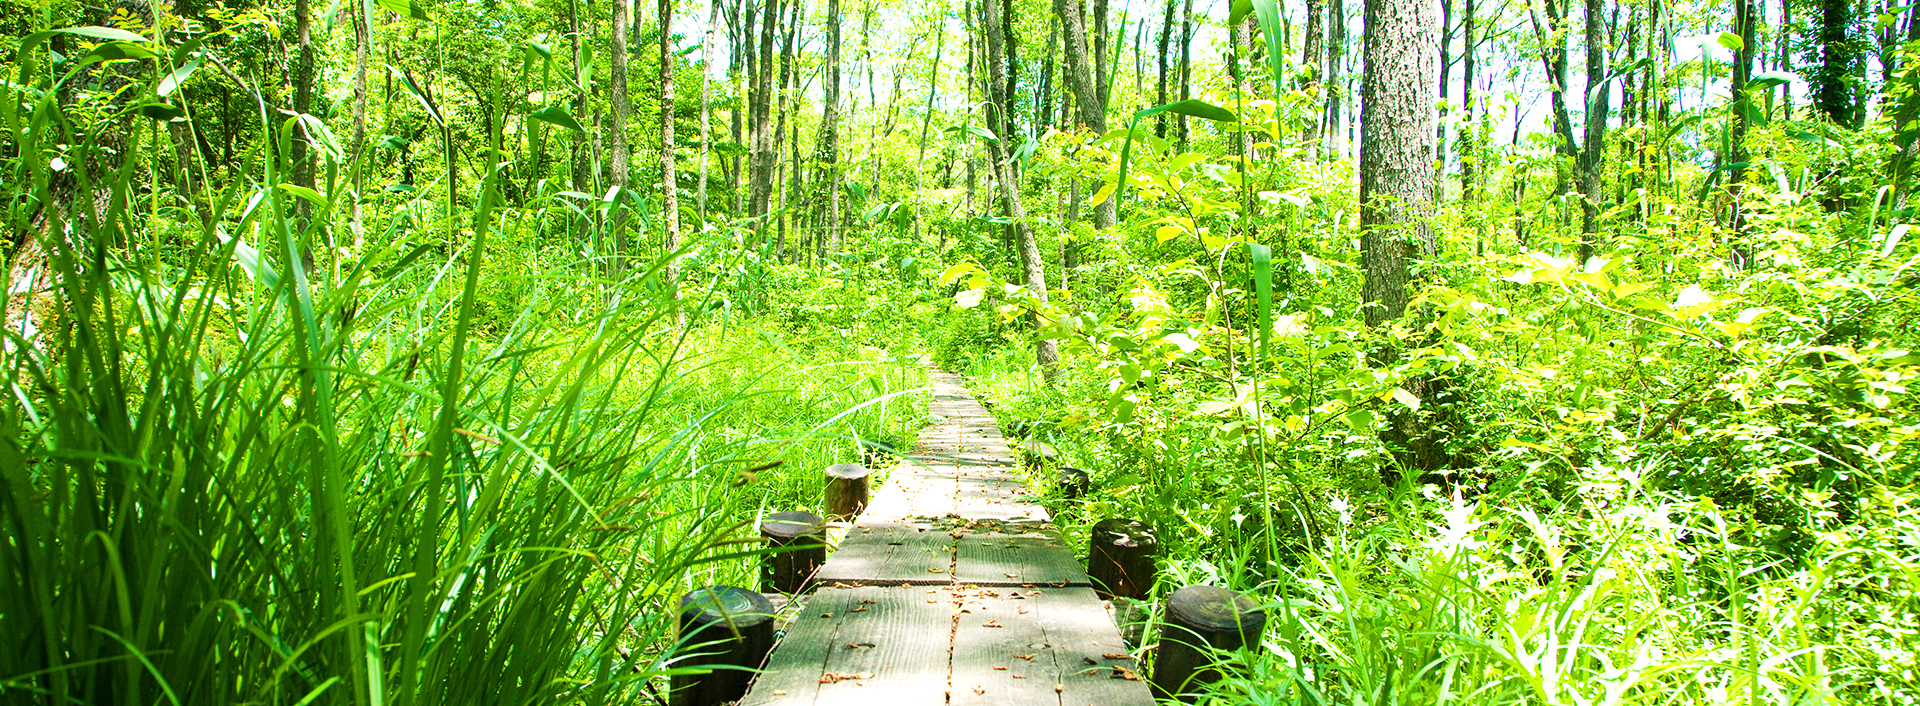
pixel 240 463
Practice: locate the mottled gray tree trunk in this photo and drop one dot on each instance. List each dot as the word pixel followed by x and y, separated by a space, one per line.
pixel 1396 193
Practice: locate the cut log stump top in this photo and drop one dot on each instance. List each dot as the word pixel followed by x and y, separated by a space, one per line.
pixel 952 588
pixel 848 471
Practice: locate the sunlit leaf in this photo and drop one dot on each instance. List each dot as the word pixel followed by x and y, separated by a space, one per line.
pixel 404 8
pixel 558 115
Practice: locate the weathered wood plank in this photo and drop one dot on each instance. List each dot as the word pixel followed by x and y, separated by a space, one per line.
pixel 1038 558
pixel 890 554
pixel 1051 646
pixel 862 645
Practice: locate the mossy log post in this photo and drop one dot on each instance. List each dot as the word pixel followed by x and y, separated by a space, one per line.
pixel 1072 483
pixel 1120 558
pixel 846 490
pixel 729 629
pixel 1200 619
pixel 800 541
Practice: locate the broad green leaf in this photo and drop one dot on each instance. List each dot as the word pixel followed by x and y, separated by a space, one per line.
pixel 969 298
pixel 1893 239
pixel 1771 79
pixel 1105 192
pixel 112 34
pixel 1263 284
pixel 321 137
pixel 1166 233
pixel 178 76
pixel 405 8
pixel 161 111
pixel 557 115
pixel 1239 12
pixel 1401 395
pixel 310 195
pixel 1360 422
pixel 118 51
pixel 1193 108
pixel 1731 41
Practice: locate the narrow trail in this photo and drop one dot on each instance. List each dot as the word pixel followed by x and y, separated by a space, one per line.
pixel 952 588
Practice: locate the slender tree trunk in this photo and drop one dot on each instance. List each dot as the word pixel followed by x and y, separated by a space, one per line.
pixel 1743 103
pixel 1446 77
pixel 1100 46
pixel 622 105
pixel 1839 60
pixel 362 49
pixel 1396 194
pixel 763 159
pixel 706 105
pixel 829 152
pixel 669 175
pixel 303 94
pixel 1312 52
pixel 1045 352
pixel 1595 144
pixel 1469 97
pixel 926 125
pixel 1085 83
pixel 1043 115
pixel 582 160
pixel 1336 53
pixel 1186 67
pixel 1553 56
pixel 1160 88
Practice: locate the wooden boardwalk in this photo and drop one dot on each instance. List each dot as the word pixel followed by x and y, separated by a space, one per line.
pixel 951 588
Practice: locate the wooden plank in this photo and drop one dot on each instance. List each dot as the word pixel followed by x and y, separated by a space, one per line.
pixel 1035 558
pixel 889 554
pixel 862 645
pixel 1051 647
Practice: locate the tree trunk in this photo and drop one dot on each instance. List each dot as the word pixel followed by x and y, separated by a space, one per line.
pixel 926 126
pixel 706 105
pixel 303 95
pixel 763 160
pixel 582 160
pixel 1186 66
pixel 1312 52
pixel 828 155
pixel 1468 97
pixel 362 48
pixel 1085 82
pixel 1396 193
pixel 1743 102
pixel 669 175
pixel 1446 76
pixel 622 107
pixel 1838 60
pixel 1160 88
pixel 1045 352
pixel 1043 113
pixel 1595 144
pixel 1336 52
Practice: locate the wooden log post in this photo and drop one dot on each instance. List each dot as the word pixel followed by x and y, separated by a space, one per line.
pixel 846 491
pixel 800 541
pixel 1200 619
pixel 1120 558
pixel 728 628
pixel 1072 483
